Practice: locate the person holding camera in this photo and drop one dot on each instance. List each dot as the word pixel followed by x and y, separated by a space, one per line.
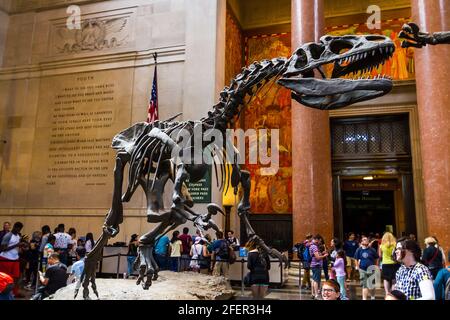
pixel 9 254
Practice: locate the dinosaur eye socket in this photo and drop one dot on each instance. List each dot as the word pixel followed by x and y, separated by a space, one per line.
pixel 316 50
pixel 301 60
pixel 340 46
pixel 375 38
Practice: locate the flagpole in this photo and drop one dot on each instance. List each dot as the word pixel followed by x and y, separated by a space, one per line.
pixel 152 111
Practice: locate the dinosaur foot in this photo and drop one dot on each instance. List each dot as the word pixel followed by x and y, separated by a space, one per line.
pixel 148 271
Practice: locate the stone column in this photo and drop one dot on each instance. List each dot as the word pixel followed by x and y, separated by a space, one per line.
pixel 311 151
pixel 433 102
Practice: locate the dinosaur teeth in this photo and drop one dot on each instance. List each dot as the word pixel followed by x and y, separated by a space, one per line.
pixel 373 53
pixel 365 55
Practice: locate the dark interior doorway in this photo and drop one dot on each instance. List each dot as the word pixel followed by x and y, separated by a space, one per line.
pixel 368 211
pixel 274 229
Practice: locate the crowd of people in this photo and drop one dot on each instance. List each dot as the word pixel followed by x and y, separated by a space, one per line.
pixel 407 272
pixel 40 264
pixel 185 252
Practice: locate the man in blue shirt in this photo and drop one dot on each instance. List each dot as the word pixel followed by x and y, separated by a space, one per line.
pixel 77 269
pixel 365 258
pixel 350 247
pixel 162 252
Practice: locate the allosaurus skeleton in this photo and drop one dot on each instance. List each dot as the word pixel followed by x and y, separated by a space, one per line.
pixel 155 151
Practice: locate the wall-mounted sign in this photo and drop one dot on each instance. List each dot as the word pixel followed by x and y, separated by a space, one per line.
pixel 201 190
pixel 382 184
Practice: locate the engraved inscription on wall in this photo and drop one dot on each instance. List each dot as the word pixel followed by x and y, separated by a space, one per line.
pixel 78 115
pixel 76 150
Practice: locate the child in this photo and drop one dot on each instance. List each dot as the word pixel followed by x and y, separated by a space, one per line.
pixel 339 268
pixel 48 250
pixel 77 269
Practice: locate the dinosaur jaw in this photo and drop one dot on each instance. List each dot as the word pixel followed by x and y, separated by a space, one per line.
pixel 329 94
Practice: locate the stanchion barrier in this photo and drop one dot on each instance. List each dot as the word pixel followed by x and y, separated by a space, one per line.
pixel 118 264
pixel 242 277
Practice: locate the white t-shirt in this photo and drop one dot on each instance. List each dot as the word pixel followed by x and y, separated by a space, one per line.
pixel 88 246
pixel 12 254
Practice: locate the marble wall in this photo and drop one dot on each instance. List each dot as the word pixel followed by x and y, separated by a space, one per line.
pixel 4 21
pixel 66 93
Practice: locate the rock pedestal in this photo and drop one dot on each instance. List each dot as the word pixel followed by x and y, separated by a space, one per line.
pixel 169 286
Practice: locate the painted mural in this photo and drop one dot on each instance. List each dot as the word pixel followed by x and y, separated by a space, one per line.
pixel 270 109
pixel 234 52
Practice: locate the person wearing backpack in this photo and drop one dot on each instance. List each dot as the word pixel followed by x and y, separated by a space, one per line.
pixel 432 257
pixel 259 266
pixel 305 258
pixel 442 284
pixel 220 255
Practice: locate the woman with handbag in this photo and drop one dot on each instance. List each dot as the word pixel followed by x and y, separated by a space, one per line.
pixel 205 258
pixel 432 256
pixel 389 266
pixel 259 266
pixel 196 254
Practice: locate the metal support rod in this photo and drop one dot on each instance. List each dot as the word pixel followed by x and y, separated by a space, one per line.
pixel 118 265
pixel 300 278
pixel 242 277
pixel 37 273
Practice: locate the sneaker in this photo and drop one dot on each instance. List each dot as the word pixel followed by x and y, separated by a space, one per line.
pixel 372 298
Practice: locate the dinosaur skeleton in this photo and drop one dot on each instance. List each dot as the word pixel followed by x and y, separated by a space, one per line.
pixel 155 151
pixel 417 39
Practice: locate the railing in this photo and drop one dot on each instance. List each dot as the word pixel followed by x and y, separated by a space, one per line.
pixel 241 260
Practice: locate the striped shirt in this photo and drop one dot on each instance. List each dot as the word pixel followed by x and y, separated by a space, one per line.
pixel 314 262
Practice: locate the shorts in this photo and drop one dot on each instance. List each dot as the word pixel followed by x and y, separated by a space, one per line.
pixel 351 262
pixel 388 271
pixel 364 279
pixel 316 272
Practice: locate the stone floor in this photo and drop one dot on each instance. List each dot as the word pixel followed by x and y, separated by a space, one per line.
pixel 290 291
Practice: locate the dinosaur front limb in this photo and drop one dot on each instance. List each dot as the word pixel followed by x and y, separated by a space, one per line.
pixel 110 228
pixel 180 178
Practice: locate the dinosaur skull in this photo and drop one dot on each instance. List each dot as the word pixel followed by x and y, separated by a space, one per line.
pixel 347 55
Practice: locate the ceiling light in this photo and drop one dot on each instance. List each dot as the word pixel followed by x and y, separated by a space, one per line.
pixel 368 178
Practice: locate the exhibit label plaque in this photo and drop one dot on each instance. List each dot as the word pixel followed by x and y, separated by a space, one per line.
pixel 201 191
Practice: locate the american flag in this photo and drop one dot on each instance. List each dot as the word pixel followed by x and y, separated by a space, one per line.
pixel 153 105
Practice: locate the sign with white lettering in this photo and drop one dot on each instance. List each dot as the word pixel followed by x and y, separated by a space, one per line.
pixel 201 191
